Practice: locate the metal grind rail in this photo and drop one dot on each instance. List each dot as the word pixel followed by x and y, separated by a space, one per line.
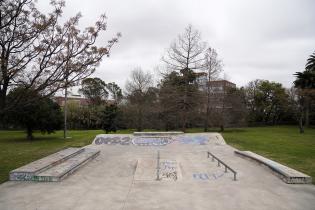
pixel 221 162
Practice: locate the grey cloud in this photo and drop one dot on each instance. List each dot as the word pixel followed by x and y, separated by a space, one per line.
pixel 256 39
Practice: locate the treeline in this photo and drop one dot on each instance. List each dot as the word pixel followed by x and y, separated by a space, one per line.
pixel 189 93
pixel 160 107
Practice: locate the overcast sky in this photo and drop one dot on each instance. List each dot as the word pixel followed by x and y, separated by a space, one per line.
pixel 256 39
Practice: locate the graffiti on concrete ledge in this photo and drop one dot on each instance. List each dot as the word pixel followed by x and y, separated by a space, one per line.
pixel 151 141
pixel 201 140
pixel 138 141
pixel 20 176
pixel 26 176
pixel 113 140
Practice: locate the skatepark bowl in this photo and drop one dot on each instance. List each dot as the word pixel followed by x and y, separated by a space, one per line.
pixel 156 170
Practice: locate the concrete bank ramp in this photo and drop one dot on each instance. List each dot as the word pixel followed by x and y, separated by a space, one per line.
pixel 54 167
pixel 288 175
pixel 159 139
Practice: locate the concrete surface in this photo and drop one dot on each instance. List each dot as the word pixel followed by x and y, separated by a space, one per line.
pixel 287 174
pixel 122 177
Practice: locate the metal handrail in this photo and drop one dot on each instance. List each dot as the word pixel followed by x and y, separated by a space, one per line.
pixel 221 162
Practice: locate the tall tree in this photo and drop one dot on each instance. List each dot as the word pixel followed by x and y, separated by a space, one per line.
pixel 43 114
pixel 212 68
pixel 21 26
pixel 305 82
pixel 138 87
pixel 185 56
pixel 230 108
pixel 39 53
pixel 176 106
pixel 94 89
pixel 109 118
pixel 310 64
pixel 115 92
pixel 266 101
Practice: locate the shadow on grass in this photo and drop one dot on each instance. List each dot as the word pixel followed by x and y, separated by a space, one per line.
pixel 234 130
pixel 218 130
pixel 23 139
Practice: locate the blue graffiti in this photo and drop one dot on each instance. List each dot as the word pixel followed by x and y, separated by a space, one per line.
pixel 142 141
pixel 206 176
pixel 201 176
pixel 113 140
pixel 201 140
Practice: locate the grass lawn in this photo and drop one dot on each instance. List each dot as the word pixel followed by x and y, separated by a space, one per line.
pixel 283 144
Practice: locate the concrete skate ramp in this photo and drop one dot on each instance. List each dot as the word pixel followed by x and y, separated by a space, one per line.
pixel 172 172
pixel 288 175
pixel 152 139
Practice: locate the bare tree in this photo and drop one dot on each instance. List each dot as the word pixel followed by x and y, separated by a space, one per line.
pixel 39 53
pixel 185 56
pixel 186 52
pixel 212 69
pixel 138 87
pixel 21 24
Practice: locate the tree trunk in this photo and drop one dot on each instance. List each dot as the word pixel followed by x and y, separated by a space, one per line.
pixel 222 128
pixel 206 122
pixel 139 123
pixel 184 120
pixel 301 123
pixel 184 114
pixel 29 133
pixel 307 112
pixel 3 93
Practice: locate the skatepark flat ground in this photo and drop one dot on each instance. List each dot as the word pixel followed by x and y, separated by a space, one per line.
pixel 124 177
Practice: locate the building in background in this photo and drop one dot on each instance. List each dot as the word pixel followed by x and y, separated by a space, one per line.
pixel 72 98
pixel 219 92
pixel 221 86
pixel 77 99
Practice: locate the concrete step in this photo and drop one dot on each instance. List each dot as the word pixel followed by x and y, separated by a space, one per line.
pixel 27 172
pixel 64 169
pixel 288 175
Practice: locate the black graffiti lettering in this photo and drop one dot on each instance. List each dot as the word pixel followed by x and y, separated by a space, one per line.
pixel 99 140
pixel 125 141
pixel 113 140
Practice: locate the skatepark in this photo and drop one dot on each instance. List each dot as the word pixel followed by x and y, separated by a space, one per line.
pixel 156 171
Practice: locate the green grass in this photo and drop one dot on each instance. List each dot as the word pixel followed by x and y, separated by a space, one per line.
pixel 283 144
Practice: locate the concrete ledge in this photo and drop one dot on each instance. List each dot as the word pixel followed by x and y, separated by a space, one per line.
pixel 66 168
pixel 27 172
pixel 54 167
pixel 288 175
pixel 171 133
